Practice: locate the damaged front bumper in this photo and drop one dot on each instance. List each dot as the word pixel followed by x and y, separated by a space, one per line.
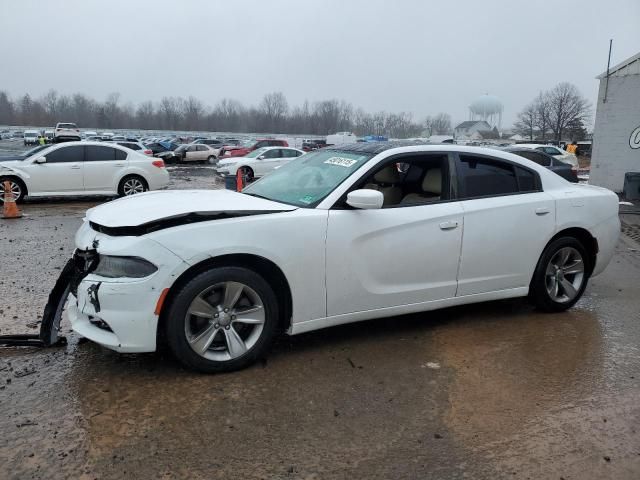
pixel 119 313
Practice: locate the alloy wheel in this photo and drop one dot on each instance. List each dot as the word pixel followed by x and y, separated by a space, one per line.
pixel 133 186
pixel 223 322
pixel 565 275
pixel 15 188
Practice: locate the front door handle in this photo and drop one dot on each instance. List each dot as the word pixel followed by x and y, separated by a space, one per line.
pixel 542 210
pixel 450 225
pixel 75 167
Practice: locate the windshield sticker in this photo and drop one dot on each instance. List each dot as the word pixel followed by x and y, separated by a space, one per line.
pixel 340 161
pixel 307 199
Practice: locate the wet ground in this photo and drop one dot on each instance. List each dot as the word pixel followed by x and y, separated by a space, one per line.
pixel 488 391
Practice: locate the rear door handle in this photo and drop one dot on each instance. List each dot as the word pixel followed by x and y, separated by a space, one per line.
pixel 450 225
pixel 75 167
pixel 118 165
pixel 542 210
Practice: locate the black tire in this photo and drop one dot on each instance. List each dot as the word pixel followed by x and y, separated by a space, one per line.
pixel 121 185
pixel 176 318
pixel 247 172
pixel 15 181
pixel 538 292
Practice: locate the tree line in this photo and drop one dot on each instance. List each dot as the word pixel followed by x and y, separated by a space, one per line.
pixel 273 114
pixel 555 114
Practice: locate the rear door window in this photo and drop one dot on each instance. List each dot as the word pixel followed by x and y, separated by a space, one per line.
pixel 66 155
pixel 97 153
pixel 120 154
pixel 483 177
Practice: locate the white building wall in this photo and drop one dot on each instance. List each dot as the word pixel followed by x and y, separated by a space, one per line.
pixel 612 153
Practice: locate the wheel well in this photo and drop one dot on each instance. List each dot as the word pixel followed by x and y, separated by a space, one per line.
pixel 129 175
pixel 265 268
pixel 586 239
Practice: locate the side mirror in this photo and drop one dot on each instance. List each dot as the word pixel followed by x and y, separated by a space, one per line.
pixel 261 157
pixel 365 199
pixel 40 160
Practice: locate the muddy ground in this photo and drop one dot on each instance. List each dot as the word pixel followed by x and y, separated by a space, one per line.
pixel 487 391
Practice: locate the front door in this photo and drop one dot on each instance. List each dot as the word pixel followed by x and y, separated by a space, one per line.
pixel 404 253
pixel 62 172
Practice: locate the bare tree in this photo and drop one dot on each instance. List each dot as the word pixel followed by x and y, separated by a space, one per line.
pixel 542 105
pixel 7 110
pixel 527 121
pixel 274 107
pixel 145 115
pixel 441 124
pixel 50 104
pixel 566 105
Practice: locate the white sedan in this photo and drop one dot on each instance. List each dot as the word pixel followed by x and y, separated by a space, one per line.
pixel 82 168
pixel 555 152
pixel 339 235
pixel 259 162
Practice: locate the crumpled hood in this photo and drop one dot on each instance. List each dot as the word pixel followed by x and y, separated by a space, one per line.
pixel 152 207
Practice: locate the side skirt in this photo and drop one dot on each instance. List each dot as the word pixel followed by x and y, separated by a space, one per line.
pixel 318 323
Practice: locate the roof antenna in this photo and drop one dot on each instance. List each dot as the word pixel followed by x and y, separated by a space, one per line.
pixel 606 85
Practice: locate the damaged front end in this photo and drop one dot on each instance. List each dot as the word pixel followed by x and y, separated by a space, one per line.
pixel 81 264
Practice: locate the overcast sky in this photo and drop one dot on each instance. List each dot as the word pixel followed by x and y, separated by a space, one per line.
pixel 396 55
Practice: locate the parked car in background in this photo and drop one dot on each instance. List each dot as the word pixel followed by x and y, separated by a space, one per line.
pixel 49 135
pixel 563 169
pixel 250 146
pixel 82 168
pixel 137 146
pixel 259 162
pixel 18 134
pixel 195 153
pixel 161 147
pixel 66 132
pixel 118 138
pixel 208 141
pixel 31 137
pixel 556 152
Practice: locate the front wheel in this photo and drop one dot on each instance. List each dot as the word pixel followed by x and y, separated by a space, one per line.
pixel 17 188
pixel 561 275
pixel 131 185
pixel 211 160
pixel 222 320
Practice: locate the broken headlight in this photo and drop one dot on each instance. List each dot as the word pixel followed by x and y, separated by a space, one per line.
pixel 130 267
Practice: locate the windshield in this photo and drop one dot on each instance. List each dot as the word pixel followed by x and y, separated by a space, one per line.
pixel 256 153
pixel 306 181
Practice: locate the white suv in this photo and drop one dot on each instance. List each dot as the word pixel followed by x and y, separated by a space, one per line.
pixel 66 131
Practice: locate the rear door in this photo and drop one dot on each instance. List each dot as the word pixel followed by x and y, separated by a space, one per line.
pixel 507 222
pixel 103 166
pixel 62 172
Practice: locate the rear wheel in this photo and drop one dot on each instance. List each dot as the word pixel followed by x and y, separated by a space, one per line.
pixel 17 187
pixel 561 275
pixel 131 185
pixel 211 160
pixel 222 320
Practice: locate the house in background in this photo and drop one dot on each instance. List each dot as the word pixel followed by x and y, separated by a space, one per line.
pixel 466 130
pixel 616 134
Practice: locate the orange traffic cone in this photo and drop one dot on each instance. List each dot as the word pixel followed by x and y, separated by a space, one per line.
pixel 239 180
pixel 10 209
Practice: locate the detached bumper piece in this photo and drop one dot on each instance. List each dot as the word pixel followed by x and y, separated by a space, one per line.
pixel 79 266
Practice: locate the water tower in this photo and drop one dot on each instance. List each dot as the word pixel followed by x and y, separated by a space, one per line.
pixel 488 108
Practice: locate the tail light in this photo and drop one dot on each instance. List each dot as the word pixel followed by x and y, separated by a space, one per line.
pixel 148 152
pixel 158 163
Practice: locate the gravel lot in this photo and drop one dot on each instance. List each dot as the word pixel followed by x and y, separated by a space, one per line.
pixel 496 390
